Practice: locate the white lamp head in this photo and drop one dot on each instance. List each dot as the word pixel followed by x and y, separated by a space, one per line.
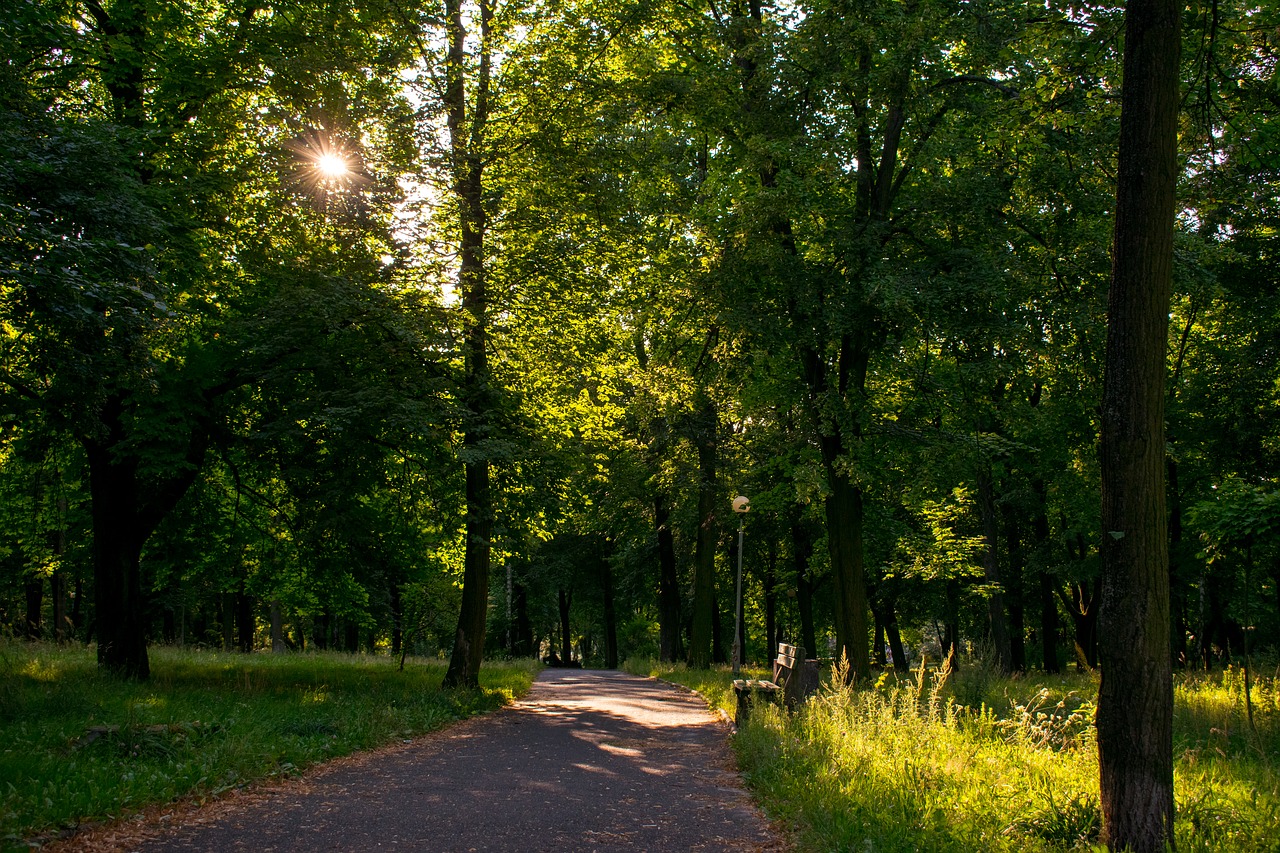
pixel 741 504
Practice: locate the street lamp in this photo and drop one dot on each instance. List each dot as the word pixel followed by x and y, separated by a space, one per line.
pixel 741 505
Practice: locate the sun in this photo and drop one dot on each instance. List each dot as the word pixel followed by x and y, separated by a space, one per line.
pixel 332 165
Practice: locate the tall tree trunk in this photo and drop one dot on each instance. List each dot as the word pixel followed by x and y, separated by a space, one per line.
pixel 844 539
pixel 278 646
pixel 610 620
pixel 1135 697
pixel 889 612
pixel 119 608
pixel 1084 610
pixel 996 622
pixel 718 654
pixel 58 580
pixel 1013 583
pixel 246 626
pixel 1047 582
pixel 565 601
pixel 467 146
pixel 701 638
pixel 801 551
pixel 771 600
pixel 668 583
pixel 525 645
pixel 1049 623
pixel 1177 555
pixel 951 638
pixel 397 620
pixel 34 589
pixel 877 644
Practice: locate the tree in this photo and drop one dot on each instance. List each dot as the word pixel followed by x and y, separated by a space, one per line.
pixel 1135 699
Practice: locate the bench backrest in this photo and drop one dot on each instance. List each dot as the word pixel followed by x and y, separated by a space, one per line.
pixel 789 656
pixel 796 676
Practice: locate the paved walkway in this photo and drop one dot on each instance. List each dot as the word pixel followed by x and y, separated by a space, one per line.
pixel 589 760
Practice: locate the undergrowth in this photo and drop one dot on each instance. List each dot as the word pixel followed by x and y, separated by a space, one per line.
pixel 77 745
pixel 980 761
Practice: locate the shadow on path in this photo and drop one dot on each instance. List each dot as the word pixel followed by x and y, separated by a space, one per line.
pixel 588 760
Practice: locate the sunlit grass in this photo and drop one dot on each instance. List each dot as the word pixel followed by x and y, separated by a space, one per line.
pixel 991 763
pixel 204 723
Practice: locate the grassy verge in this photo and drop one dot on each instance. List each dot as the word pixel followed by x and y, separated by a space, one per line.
pixel 991 763
pixel 76 745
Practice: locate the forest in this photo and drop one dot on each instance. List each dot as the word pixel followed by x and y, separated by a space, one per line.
pixel 454 329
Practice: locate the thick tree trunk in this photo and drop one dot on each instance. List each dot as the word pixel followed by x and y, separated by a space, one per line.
pixel 466 143
pixel 844 539
pixel 1135 697
pixel 701 638
pixel 668 583
pixel 119 608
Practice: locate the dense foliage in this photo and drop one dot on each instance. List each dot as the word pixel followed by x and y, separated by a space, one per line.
pixel 588 271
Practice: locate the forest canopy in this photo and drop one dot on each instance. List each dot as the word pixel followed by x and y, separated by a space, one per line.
pixel 455 328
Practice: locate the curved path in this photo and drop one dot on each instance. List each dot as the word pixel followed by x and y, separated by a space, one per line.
pixel 588 760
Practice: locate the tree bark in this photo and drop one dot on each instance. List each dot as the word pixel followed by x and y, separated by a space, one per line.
pixel 466 139
pixel 801 551
pixel 844 539
pixel 610 619
pixel 34 588
pixel 1135 697
pixel 991 569
pixel 668 583
pixel 124 512
pixel 701 637
pixel 1013 583
pixel 771 600
pixel 565 600
pixel 525 646
pixel 1049 623
pixel 889 612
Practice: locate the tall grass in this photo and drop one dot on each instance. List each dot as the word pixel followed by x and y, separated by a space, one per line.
pixel 76 745
pixel 985 762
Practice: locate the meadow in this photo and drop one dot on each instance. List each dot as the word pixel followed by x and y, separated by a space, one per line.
pixel 77 746
pixel 980 761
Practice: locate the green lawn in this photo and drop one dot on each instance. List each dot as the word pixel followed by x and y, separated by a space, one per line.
pixel 76 745
pixel 991 763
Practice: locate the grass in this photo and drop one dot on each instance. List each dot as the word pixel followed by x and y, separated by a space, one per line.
pixel 76 745
pixel 984 762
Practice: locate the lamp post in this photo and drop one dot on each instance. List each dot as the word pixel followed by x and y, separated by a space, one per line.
pixel 741 505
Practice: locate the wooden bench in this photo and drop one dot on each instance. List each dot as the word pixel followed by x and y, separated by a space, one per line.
pixel 794 678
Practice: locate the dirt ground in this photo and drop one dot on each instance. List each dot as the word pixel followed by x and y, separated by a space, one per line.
pixel 588 760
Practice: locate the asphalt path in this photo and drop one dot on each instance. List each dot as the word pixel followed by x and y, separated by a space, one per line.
pixel 587 761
